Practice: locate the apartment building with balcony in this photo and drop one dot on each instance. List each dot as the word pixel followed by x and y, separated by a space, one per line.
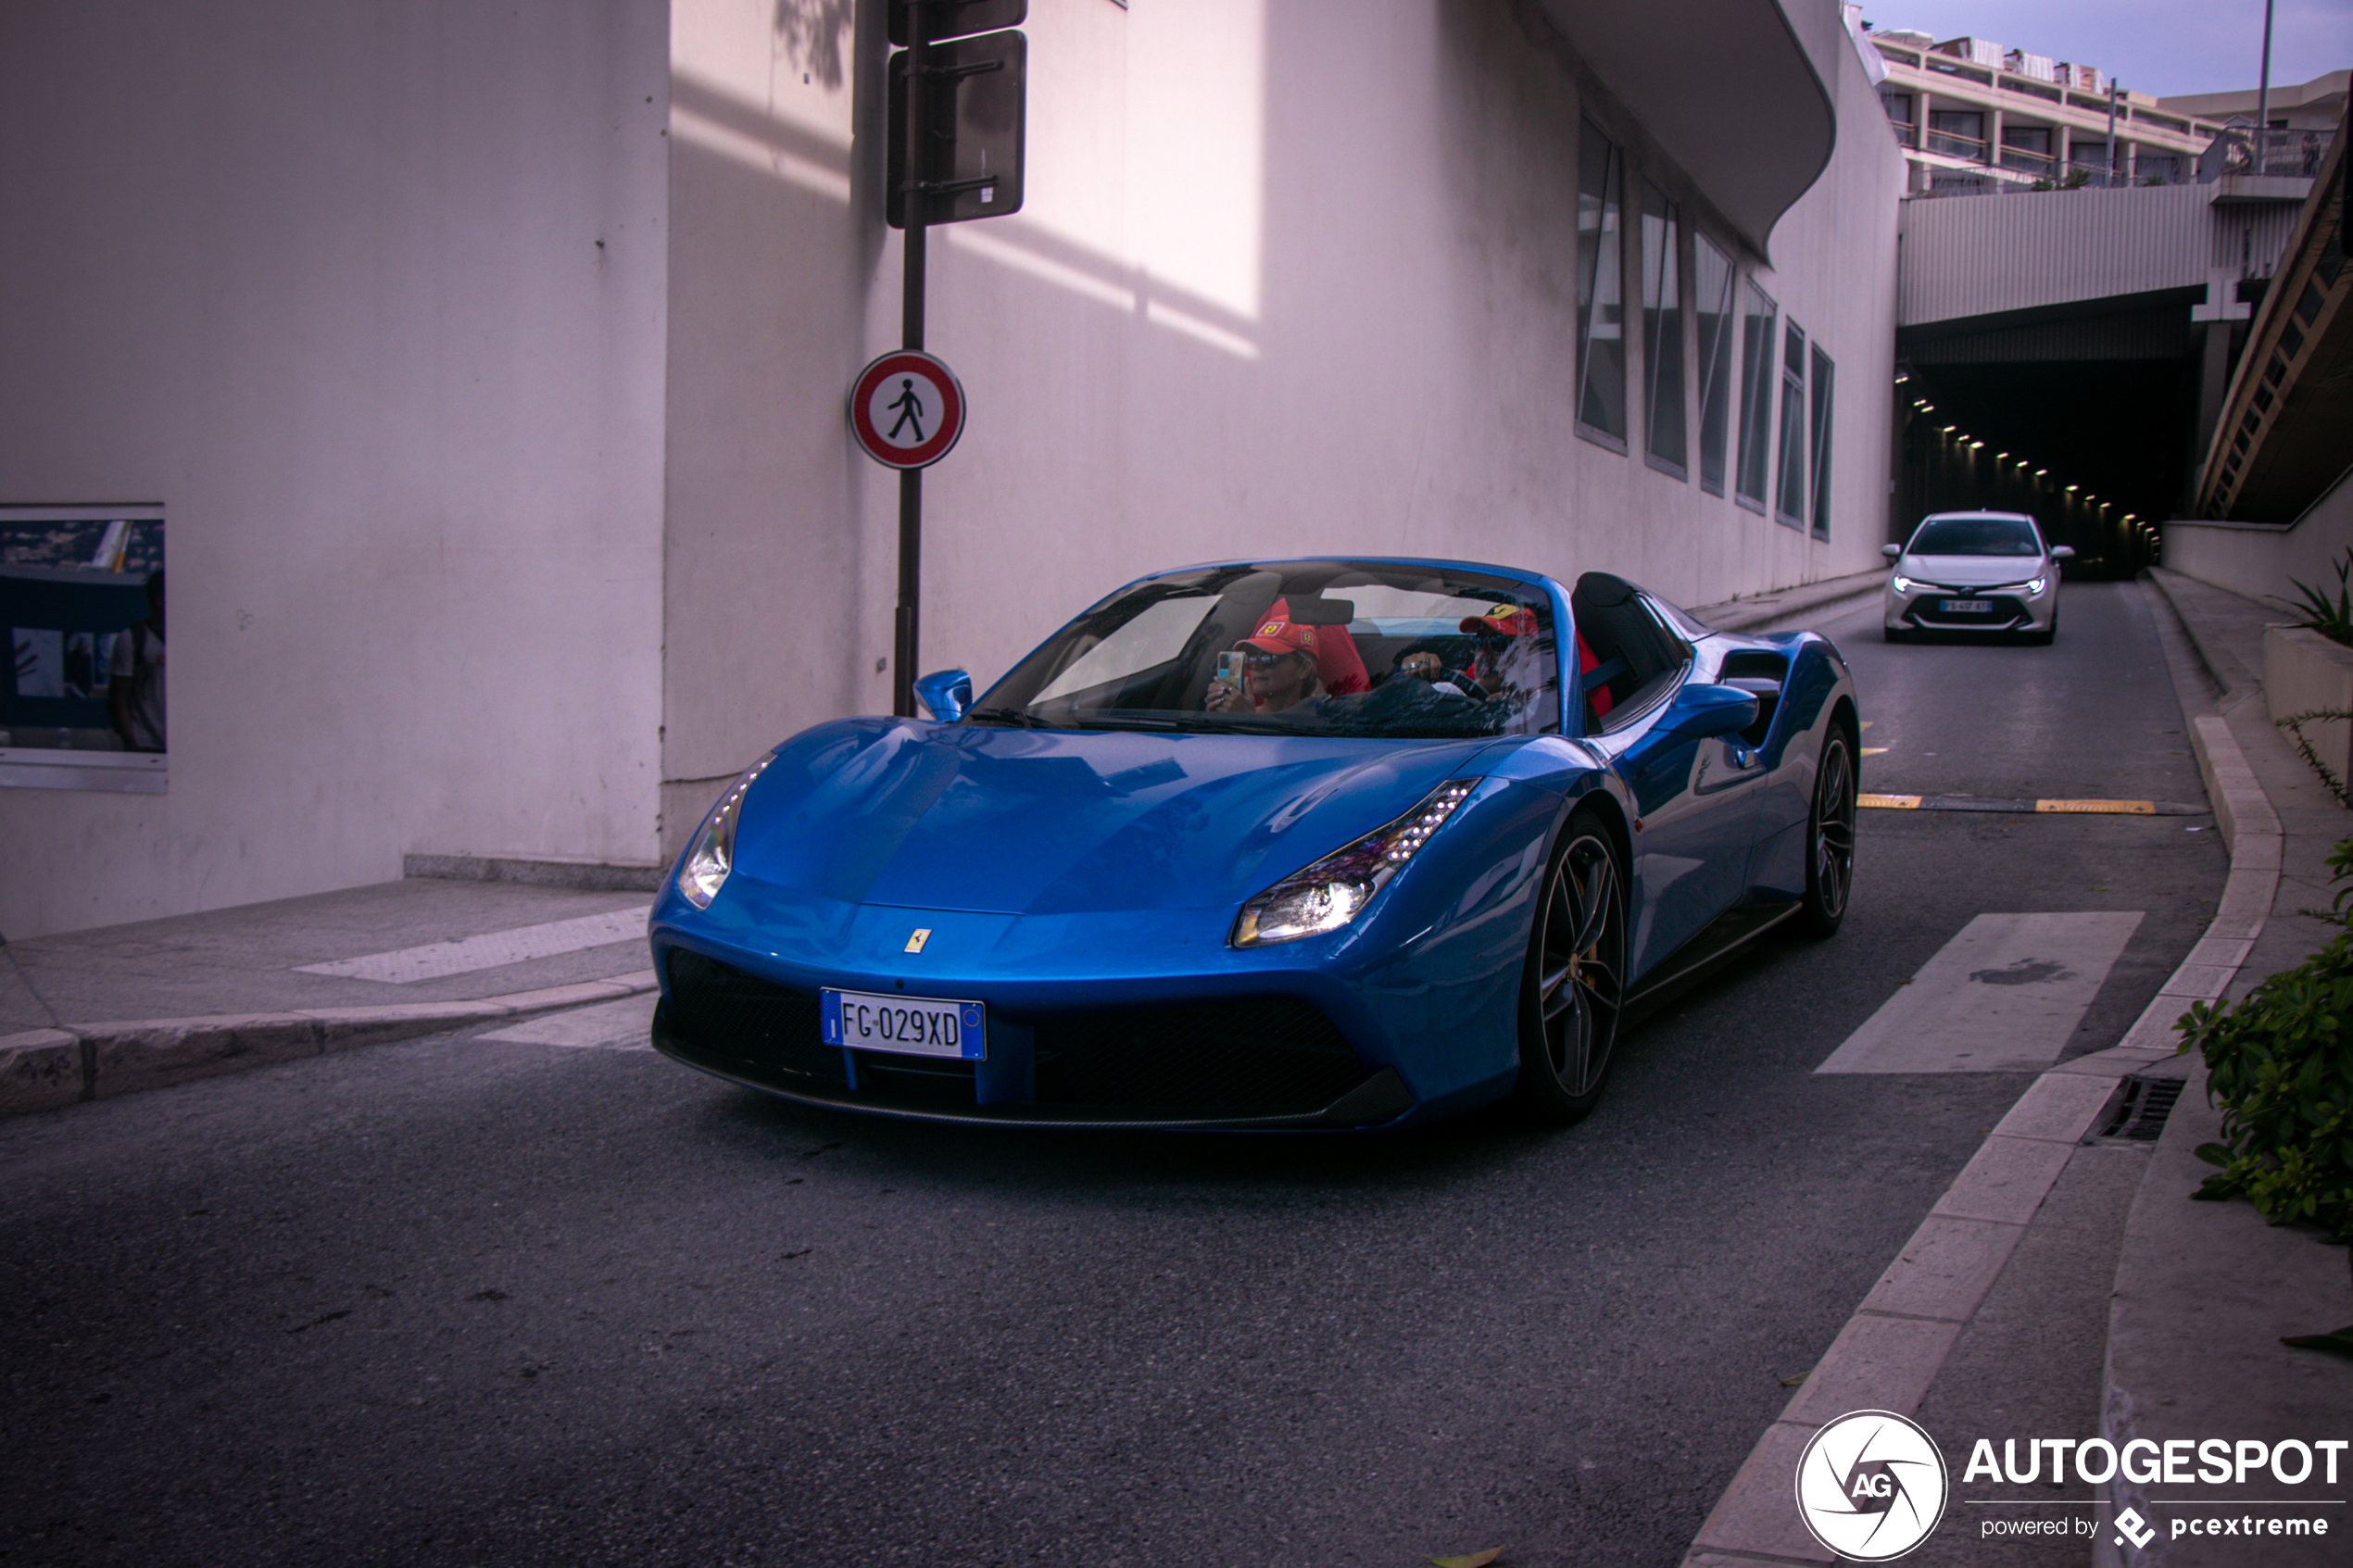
pixel 1971 113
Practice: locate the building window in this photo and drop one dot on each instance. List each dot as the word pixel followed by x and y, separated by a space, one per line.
pixel 1756 396
pixel 1601 291
pixel 1712 289
pixel 1899 107
pixel 1789 504
pixel 1663 330
pixel 2028 147
pixel 1819 410
pixel 1958 134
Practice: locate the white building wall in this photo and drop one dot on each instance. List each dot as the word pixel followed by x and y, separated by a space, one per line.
pixel 1291 279
pixel 487 539
pixel 369 295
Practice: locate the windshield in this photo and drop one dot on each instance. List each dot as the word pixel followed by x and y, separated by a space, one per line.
pixel 1976 537
pixel 1297 648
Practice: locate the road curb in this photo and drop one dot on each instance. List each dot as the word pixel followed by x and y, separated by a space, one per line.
pixel 2230 677
pixel 1893 1347
pixel 1784 603
pixel 46 1069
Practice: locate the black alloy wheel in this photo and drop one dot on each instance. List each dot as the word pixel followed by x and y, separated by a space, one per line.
pixel 1830 838
pixel 1575 984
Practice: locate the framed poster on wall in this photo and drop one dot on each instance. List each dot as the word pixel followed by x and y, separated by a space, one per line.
pixel 83 703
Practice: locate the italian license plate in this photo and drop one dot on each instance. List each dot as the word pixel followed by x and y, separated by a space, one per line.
pixel 909 1026
pixel 1966 607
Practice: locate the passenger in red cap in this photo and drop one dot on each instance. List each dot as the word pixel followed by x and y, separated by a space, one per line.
pixel 1286 662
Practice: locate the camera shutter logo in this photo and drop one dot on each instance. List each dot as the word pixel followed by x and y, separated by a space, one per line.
pixel 1871 1485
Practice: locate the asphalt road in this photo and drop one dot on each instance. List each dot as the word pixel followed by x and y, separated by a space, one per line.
pixel 456 1300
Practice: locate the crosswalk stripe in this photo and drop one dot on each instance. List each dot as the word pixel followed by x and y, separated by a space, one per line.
pixel 2004 996
pixel 438 959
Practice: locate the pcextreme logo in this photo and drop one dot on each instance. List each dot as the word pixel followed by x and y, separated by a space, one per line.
pixel 1871 1485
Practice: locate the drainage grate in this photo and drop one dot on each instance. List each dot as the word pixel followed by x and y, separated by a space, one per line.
pixel 2140 1111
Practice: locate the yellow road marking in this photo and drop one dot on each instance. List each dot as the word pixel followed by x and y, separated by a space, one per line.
pixel 2105 808
pixel 1869 723
pixel 1875 751
pixel 1889 802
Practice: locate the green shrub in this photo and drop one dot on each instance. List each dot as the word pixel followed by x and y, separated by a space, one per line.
pixel 2280 1064
pixel 2332 618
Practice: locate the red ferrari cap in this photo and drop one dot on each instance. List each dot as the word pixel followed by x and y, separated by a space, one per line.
pixel 1509 621
pixel 1279 633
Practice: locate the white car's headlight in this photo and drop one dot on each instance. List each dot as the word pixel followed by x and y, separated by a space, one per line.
pixel 1328 894
pixel 1902 583
pixel 713 854
pixel 2035 587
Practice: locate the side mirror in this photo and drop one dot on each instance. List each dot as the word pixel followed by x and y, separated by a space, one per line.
pixel 945 693
pixel 1892 552
pixel 1703 711
pixel 2063 552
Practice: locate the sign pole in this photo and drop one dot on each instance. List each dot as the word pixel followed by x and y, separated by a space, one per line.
pixel 911 331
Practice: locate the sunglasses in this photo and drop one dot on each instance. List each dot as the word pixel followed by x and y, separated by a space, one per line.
pixel 1258 658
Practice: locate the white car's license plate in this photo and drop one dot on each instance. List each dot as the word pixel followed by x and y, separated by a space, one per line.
pixel 909 1026
pixel 1966 606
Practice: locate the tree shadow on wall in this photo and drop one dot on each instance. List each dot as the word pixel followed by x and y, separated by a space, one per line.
pixel 816 34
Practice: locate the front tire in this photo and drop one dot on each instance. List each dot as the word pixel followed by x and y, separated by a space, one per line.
pixel 1574 985
pixel 1830 839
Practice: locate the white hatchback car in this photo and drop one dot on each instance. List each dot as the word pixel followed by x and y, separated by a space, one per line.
pixel 1975 571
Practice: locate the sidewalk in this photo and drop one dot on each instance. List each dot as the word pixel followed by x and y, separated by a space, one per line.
pixel 2206 1291
pixel 2202 1292
pixel 89 1014
pixel 1764 612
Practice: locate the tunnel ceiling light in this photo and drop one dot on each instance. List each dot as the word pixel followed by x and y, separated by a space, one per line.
pixel 2071 489
pixel 2042 473
pixel 1976 445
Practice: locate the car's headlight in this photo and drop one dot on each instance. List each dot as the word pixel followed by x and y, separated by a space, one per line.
pixel 1328 894
pixel 2035 587
pixel 713 854
pixel 1902 583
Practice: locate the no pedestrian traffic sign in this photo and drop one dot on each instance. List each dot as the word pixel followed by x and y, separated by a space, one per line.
pixel 907 408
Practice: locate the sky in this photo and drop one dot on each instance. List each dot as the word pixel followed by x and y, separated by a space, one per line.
pixel 2160 47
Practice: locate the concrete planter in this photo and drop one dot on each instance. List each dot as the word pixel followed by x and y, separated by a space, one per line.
pixel 2303 672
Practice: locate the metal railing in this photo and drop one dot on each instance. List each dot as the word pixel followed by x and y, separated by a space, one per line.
pixel 2238 150
pixel 2242 149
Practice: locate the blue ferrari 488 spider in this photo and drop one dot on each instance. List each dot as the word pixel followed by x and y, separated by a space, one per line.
pixel 1328 844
